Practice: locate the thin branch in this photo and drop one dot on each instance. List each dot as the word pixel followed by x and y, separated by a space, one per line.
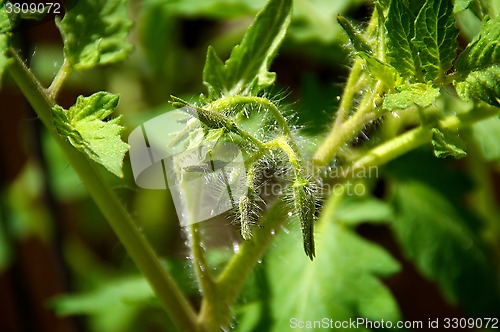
pixel 174 302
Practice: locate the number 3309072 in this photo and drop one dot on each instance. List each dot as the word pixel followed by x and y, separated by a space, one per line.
pixel 33 8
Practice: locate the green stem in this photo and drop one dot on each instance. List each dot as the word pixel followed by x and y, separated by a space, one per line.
pixel 281 143
pixel 58 81
pixel 414 138
pixel 174 302
pixel 344 129
pixel 355 79
pixel 341 133
pixel 216 315
pixel 230 102
pixel 201 267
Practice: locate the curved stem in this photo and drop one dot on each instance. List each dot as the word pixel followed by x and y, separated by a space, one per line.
pixel 216 315
pixel 229 102
pixel 58 81
pixel 292 155
pixel 341 133
pixel 414 138
pixel 174 302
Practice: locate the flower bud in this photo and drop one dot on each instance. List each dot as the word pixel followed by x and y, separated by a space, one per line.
pixel 304 195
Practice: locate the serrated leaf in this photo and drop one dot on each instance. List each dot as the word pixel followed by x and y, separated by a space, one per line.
pixel 95 33
pixel 422 95
pixel 487 135
pixel 421 38
pixel 479 66
pixel 401 52
pixel 435 38
pixel 434 235
pixel 85 129
pixel 341 283
pixel 246 71
pixel 481 85
pixel 447 143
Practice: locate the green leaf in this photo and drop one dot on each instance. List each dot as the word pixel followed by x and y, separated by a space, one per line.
pixel 380 70
pixel 461 5
pixel 421 38
pixel 95 33
pixel 400 27
pixel 422 95
pixel 114 306
pixel 435 38
pixel 447 143
pixel 487 135
pixel 341 283
pixel 481 85
pixel 212 9
pixel 434 234
pixel 85 129
pixel 214 73
pixel 5 27
pixel 484 50
pixel 116 293
pixel 246 71
pixel 354 210
pixel 479 66
pixel 314 21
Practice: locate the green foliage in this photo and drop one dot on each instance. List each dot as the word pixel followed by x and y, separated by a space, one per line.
pixel 84 126
pixel 461 5
pixel 487 136
pixel 436 237
pixel 422 95
pixel 246 71
pixel 398 96
pixel 447 144
pixel 341 283
pixel 355 210
pixel 380 70
pixel 421 38
pixel 5 27
pixel 478 63
pixel 400 26
pixel 95 33
pixel 435 39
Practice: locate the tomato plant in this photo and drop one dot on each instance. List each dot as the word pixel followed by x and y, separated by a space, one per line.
pixel 411 151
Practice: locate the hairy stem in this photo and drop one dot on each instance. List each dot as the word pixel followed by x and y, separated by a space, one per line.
pixel 342 132
pixel 174 302
pixel 345 128
pixel 230 102
pixel 414 138
pixel 216 315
